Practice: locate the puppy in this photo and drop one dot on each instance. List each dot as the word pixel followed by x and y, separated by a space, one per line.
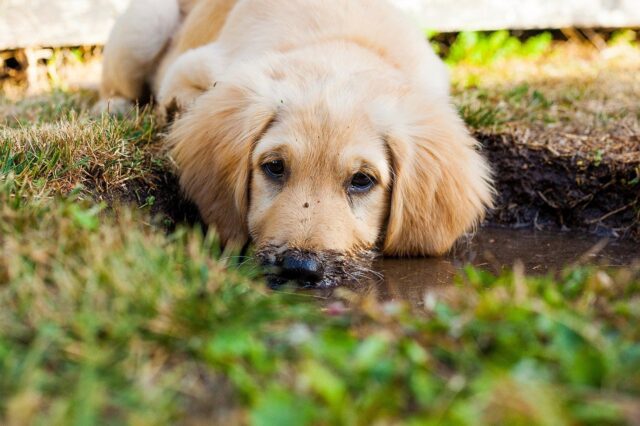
pixel 321 130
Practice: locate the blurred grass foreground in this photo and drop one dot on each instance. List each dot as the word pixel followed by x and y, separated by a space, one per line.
pixel 108 320
pixel 112 311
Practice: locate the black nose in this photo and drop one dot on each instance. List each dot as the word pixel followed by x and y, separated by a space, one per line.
pixel 302 268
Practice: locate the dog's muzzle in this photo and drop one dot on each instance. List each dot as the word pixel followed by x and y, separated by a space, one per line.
pixel 314 269
pixel 305 269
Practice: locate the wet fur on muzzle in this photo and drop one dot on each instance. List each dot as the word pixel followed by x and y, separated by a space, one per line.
pixel 338 268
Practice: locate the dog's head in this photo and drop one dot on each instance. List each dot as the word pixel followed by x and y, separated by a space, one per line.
pixel 321 172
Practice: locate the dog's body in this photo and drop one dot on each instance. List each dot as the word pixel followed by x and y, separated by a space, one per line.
pixel 320 129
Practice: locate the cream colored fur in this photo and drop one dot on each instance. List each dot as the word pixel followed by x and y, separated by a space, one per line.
pixel 330 87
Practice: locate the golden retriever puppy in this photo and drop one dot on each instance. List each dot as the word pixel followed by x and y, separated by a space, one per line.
pixel 321 130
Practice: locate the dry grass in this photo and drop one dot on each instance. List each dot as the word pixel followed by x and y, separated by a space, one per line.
pixel 574 100
pixel 53 148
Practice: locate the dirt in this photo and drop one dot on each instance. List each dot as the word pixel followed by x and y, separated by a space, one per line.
pixel 160 195
pixel 542 189
pixel 563 135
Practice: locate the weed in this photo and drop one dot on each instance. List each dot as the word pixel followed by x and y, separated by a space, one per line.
pixel 478 48
pixel 481 116
pixel 624 37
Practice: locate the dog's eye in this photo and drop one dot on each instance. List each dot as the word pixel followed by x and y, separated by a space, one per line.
pixel 274 169
pixel 361 183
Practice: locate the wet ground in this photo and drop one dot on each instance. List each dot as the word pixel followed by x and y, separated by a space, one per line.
pixel 494 249
pixel 541 188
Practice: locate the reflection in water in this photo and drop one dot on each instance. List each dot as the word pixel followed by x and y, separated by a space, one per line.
pixel 494 249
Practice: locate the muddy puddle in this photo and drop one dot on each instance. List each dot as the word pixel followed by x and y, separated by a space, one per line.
pixel 494 249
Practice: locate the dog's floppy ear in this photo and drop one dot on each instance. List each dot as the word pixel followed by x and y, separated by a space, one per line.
pixel 441 187
pixel 212 145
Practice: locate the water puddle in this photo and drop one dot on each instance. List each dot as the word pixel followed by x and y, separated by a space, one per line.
pixel 495 249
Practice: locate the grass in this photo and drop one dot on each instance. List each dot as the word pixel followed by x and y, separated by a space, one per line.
pixel 481 48
pixel 107 318
pixel 573 100
pixel 74 151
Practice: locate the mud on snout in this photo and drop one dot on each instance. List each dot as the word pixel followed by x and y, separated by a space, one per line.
pixel 322 269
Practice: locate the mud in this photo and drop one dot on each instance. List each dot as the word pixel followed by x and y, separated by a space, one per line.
pixel 160 194
pixel 541 189
pixel 499 249
pixel 494 250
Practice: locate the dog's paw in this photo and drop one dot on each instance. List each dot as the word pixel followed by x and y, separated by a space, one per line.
pixel 166 113
pixel 113 106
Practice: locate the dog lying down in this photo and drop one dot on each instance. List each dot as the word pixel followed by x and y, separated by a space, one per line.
pixel 320 130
